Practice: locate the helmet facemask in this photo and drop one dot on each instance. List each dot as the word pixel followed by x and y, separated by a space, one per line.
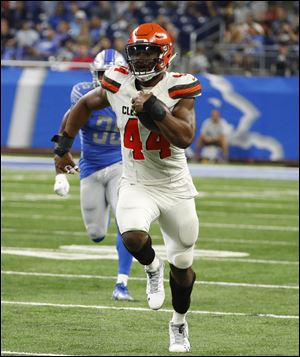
pixel 96 74
pixel 145 60
pixel 103 61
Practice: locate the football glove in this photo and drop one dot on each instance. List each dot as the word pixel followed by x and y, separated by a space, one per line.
pixel 61 185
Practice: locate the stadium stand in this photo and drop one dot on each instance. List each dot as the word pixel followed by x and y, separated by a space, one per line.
pixel 237 37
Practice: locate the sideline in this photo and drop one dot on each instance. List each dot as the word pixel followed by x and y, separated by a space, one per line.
pixel 197 170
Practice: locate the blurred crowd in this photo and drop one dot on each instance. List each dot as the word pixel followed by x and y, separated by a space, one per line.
pixel 238 34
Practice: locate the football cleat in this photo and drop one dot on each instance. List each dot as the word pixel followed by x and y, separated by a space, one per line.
pixel 179 337
pixel 121 293
pixel 155 287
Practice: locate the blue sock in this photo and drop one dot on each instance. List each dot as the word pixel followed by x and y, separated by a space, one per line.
pixel 125 258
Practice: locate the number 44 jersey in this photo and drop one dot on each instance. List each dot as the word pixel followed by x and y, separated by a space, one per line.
pixel 148 157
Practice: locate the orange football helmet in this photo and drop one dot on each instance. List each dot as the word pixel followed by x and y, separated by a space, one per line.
pixel 149 51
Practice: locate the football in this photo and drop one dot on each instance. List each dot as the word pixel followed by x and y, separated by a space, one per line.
pixel 146 120
pixel 149 123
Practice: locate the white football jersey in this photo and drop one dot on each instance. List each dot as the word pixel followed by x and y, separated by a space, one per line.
pixel 148 157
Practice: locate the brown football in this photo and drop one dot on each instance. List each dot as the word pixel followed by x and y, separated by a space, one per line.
pixel 146 120
pixel 149 123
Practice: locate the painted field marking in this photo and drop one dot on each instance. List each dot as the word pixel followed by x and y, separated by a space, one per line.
pixel 241 226
pixel 158 237
pixel 31 196
pixel 103 252
pixel 102 277
pixel 201 212
pixel 142 309
pixel 33 353
pixel 64 255
pixel 247 204
pixel 251 226
pixel 52 197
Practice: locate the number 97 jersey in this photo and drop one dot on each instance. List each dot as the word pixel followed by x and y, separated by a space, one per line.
pixel 148 157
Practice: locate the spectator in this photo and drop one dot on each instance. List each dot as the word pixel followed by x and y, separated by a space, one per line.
pixel 63 31
pixel 27 36
pixel 6 34
pixel 82 55
pixel 282 65
pixel 17 14
pixel 67 50
pixel 119 45
pixel 60 14
pixel 77 23
pixel 97 29
pixel 48 45
pixel 199 62
pixel 212 134
pixel 103 43
pixel 106 10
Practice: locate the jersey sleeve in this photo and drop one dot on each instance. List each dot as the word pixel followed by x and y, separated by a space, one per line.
pixel 79 90
pixel 113 78
pixel 184 86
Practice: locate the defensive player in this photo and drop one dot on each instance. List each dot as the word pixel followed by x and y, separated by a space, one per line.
pixel 156 183
pixel 100 168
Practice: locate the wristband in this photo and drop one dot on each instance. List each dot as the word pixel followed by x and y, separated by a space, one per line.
pixel 63 143
pixel 155 108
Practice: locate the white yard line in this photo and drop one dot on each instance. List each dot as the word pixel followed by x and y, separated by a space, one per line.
pixel 245 204
pixel 103 277
pixel 200 212
pixel 158 237
pixel 255 261
pixel 251 226
pixel 224 225
pixel 52 198
pixel 248 241
pixel 33 353
pixel 104 307
pixel 261 196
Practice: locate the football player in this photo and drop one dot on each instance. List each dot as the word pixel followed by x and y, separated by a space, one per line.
pixel 100 168
pixel 156 117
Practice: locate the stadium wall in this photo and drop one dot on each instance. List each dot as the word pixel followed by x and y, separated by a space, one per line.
pixel 261 112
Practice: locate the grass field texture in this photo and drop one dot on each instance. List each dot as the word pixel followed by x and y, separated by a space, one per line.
pixel 244 303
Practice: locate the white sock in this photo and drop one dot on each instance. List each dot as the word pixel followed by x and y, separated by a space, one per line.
pixel 178 319
pixel 122 278
pixel 154 265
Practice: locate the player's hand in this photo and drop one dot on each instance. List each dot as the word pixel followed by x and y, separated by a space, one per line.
pixel 65 164
pixel 61 185
pixel 139 100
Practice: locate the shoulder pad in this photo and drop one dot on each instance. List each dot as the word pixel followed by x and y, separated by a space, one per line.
pixel 114 77
pixel 182 85
pixel 79 90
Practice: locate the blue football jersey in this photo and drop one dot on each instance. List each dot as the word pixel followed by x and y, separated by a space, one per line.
pixel 99 137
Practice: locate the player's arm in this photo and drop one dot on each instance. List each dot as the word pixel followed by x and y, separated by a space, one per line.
pixel 81 111
pixel 78 116
pixel 64 122
pixel 61 184
pixel 178 127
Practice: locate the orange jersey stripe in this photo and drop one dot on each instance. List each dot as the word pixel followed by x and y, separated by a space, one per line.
pixel 109 86
pixel 179 92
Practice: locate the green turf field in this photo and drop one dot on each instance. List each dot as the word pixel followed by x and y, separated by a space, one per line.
pixel 244 303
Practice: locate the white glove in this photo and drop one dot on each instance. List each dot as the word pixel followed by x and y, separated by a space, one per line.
pixel 61 186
